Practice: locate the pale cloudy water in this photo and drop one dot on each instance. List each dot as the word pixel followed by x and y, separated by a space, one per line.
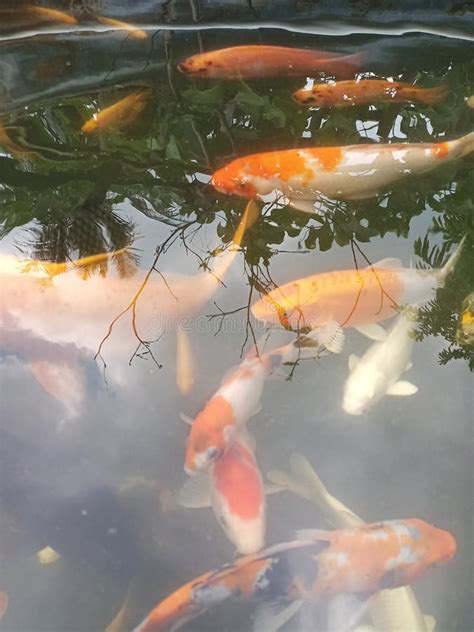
pixel 98 484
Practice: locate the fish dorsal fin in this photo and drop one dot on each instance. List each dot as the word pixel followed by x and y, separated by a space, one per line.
pixel 308 535
pixel 186 418
pixel 195 493
pixel 402 389
pixel 430 622
pixel 352 361
pixel 387 262
pixel 271 616
pixel 372 331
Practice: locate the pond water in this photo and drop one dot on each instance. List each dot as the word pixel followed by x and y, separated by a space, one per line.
pixel 92 380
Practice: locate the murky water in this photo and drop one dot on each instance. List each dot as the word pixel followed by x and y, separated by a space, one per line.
pixel 92 443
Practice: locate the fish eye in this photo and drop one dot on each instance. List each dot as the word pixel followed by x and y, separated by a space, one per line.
pixel 212 453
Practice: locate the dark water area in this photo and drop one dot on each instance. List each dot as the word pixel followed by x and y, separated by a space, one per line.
pixel 91 390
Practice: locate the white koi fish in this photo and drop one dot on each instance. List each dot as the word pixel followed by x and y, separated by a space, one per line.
pixel 352 172
pixel 377 373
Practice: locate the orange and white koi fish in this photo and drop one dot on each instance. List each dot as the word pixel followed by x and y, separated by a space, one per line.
pixel 66 314
pixel 120 114
pixel 323 564
pixel 352 172
pixel 358 92
pixel 133 30
pixel 256 62
pixel 238 399
pixel 44 14
pixel 352 298
pixel 393 610
pixel 234 490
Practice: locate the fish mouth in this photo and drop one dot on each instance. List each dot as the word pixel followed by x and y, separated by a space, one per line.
pixel 183 67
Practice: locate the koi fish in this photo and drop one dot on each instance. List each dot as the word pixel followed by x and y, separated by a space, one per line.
pixel 377 373
pixel 120 114
pixel 323 564
pixel 257 62
pixel 238 398
pixel 465 330
pixel 352 172
pixel 67 316
pixel 133 30
pixel 49 15
pixel 358 92
pixel 395 610
pixel 234 490
pixel 352 298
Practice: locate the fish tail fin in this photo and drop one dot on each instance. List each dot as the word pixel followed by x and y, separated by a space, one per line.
pixel 345 65
pixel 467 144
pixel 454 258
pixel 247 219
pixel 431 96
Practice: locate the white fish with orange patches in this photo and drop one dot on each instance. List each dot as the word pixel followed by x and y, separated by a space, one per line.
pixel 234 489
pixel 238 397
pixel 352 172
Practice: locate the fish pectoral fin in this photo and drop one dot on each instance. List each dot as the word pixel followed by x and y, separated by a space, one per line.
pixel 308 535
pixel 387 262
pixel 256 410
pixel 409 365
pixel 195 493
pixel 353 361
pixel 345 611
pixel 430 622
pixel 402 389
pixel 271 616
pixel 186 418
pixel 273 488
pixel 330 335
pixel 244 436
pixel 372 331
pixel 307 206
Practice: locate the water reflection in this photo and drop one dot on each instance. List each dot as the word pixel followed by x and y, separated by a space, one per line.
pixel 91 468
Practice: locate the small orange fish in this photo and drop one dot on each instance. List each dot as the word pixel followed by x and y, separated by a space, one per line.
pixel 50 15
pixel 256 62
pixel 133 30
pixel 120 114
pixel 322 564
pixel 346 93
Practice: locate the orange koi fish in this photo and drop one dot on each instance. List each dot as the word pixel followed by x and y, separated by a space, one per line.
pixel 133 30
pixel 357 92
pixel 352 172
pixel 120 114
pixel 238 398
pixel 234 490
pixel 257 62
pixel 49 15
pixel 352 298
pixel 358 561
